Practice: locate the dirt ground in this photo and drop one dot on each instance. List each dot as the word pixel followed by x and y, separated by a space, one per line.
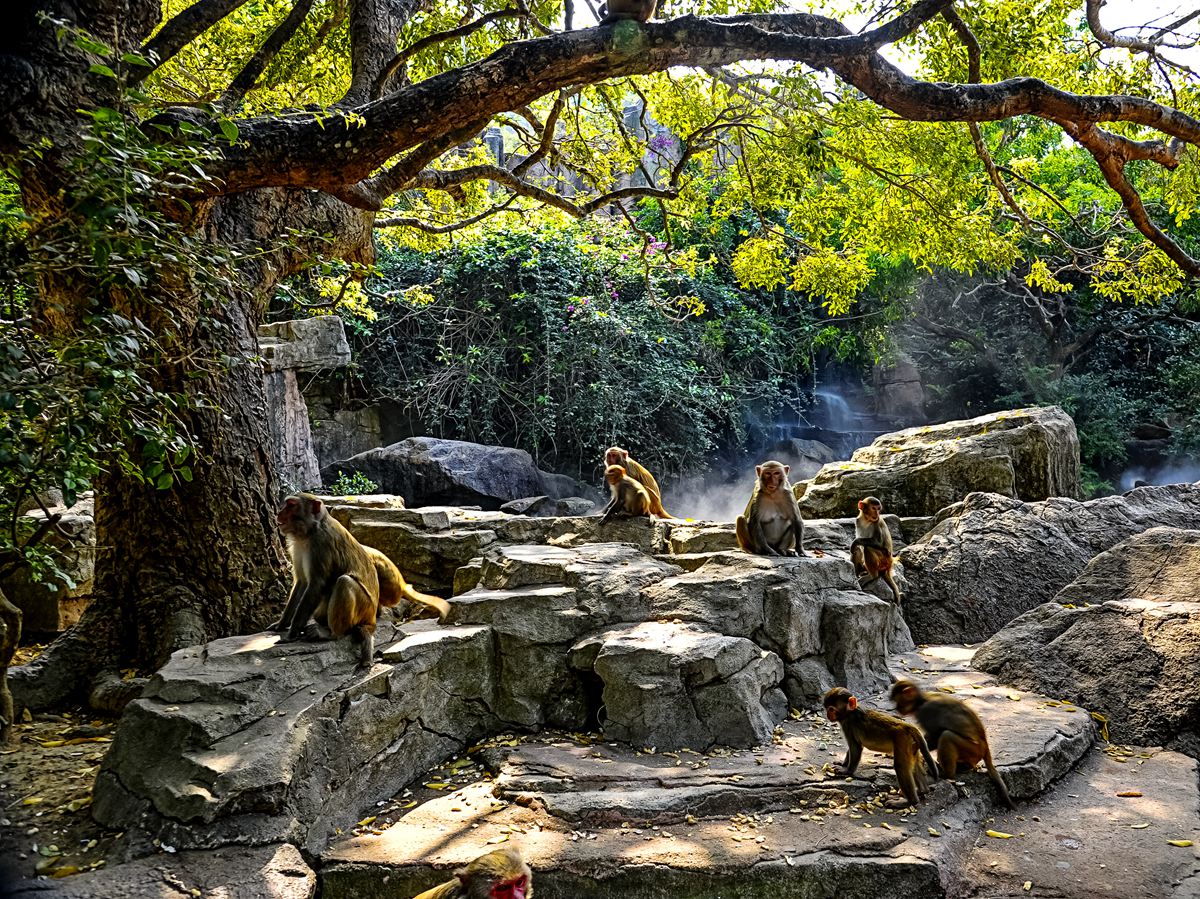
pixel 46 777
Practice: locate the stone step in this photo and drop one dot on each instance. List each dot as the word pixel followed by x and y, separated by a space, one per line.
pixel 609 820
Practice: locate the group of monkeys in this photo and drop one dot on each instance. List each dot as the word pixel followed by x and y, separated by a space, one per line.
pixel 770 526
pixel 339 585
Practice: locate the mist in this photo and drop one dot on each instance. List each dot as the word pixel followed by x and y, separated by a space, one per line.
pixel 1182 471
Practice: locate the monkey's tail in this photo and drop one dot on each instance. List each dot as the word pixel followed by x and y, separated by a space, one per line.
pixel 433 602
pixel 929 762
pixel 996 778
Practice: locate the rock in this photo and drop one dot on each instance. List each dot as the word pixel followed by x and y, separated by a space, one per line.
pixel 561 486
pixel 429 471
pixel 341 433
pixel 898 389
pixel 304 344
pixel 1135 661
pixel 50 606
pixel 670 686
pixel 234 872
pixel 1159 564
pixel 647 534
pixel 429 559
pixel 545 507
pixel 290 434
pixel 804 456
pixel 1029 453
pixel 991 558
pixel 244 740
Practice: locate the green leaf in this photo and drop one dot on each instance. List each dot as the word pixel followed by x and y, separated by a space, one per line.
pixel 229 129
pixel 98 69
pixel 164 481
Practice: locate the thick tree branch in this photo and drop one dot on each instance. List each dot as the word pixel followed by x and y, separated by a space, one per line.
pixel 374 25
pixel 252 71
pixel 1140 45
pixel 182 30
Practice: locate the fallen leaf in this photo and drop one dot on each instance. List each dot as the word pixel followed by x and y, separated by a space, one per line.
pixel 933 833
pixel 1014 696
pixel 1139 826
pixel 1027 886
pixel 1180 843
pixel 1129 794
pixel 65 871
pixel 32 800
pixel 365 821
pixel 998 834
pixel 500 839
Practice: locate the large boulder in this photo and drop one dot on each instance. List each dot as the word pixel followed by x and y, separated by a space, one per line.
pixel 1135 661
pixel 50 605
pixel 429 471
pixel 670 686
pixel 1031 454
pixel 992 558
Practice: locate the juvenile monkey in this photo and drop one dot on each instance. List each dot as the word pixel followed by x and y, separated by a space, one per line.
pixel 771 524
pixel 954 730
pixel 614 455
pixel 638 10
pixel 885 734
pixel 871 551
pixel 336 580
pixel 501 874
pixel 628 496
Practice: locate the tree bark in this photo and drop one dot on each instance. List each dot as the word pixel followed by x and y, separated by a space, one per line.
pixel 10 635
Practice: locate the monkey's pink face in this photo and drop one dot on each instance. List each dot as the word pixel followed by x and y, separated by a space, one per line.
pixel 511 889
pixel 614 457
pixel 295 518
pixel 871 512
pixel 771 478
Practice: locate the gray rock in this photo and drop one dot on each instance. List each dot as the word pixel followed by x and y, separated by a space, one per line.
pixel 1027 453
pixel 244 740
pixel 1135 661
pixel 898 389
pixel 992 558
pixel 1162 564
pixel 669 685
pixel 341 433
pixel 49 605
pixel 429 559
pixel 804 456
pixel 429 471
pixel 546 507
pixel 233 872
pixel 304 344
pixel 290 433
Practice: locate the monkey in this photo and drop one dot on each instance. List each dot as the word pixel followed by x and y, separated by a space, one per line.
pixel 771 524
pixel 628 496
pixel 882 733
pixel 871 552
pixel 336 580
pixel 501 874
pixel 637 10
pixel 393 587
pixel 953 729
pixel 614 455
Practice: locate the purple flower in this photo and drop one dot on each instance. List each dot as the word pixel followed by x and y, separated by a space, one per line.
pixel 585 301
pixel 614 294
pixel 571 308
pixel 624 257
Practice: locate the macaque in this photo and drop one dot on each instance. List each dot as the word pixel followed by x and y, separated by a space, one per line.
pixel 637 10
pixel 614 455
pixel 871 551
pixel 336 580
pixel 882 733
pixel 501 874
pixel 771 524
pixel 953 729
pixel 628 496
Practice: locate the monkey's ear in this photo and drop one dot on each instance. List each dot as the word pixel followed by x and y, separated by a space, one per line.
pixel 758 470
pixel 314 506
pixel 861 504
pixel 852 703
pixel 786 469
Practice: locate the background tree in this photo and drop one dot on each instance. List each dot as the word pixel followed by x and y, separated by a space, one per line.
pixel 329 118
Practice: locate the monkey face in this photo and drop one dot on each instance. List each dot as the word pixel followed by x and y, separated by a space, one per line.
pixel 511 889
pixel 771 475
pixel 615 456
pixel 871 509
pixel 904 695
pixel 298 515
pixel 613 474
pixel 838 701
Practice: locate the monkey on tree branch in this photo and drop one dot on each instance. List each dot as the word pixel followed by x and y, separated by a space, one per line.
pixel 338 118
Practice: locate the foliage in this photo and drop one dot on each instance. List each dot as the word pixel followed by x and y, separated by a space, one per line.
pixel 352 484
pixel 553 340
pixel 78 394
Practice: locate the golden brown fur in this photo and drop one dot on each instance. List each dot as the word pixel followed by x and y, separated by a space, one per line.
pixel 629 498
pixel 871 552
pixel 614 455
pixel 772 524
pixel 881 733
pixel 501 874
pixel 393 587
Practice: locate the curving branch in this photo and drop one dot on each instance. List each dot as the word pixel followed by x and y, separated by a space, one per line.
pixel 1139 45
pixel 245 80
pixel 181 30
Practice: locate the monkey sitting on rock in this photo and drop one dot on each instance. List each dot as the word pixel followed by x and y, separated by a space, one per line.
pixel 771 524
pixel 336 580
pixel 871 552
pixel 615 455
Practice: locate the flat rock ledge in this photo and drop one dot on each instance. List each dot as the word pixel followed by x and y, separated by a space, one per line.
pixel 601 819
pixel 247 741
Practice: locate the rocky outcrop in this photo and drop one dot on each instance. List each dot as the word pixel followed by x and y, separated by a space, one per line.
pixel 992 558
pixel 548 507
pixel 429 471
pixel 51 605
pixel 898 389
pixel 303 345
pixel 1031 454
pixel 1122 639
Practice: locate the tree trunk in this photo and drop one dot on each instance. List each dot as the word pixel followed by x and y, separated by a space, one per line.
pixel 10 635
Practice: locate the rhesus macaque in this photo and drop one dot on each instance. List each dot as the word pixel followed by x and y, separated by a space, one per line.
pixel 953 729
pixel 882 733
pixel 501 874
pixel 628 496
pixel 871 551
pixel 616 10
pixel 771 524
pixel 614 455
pixel 336 580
